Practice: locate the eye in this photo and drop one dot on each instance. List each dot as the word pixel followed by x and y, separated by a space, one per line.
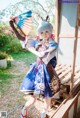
pixel 41 32
pixel 47 32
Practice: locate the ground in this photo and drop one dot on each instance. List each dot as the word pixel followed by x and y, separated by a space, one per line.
pixel 13 100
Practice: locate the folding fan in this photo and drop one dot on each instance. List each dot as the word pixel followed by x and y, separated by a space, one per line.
pixel 24 22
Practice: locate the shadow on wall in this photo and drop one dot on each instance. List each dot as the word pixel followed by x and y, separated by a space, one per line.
pixel 68 18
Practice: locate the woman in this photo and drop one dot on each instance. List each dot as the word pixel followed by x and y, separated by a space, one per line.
pixel 39 79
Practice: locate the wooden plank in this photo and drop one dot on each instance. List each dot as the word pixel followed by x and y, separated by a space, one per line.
pixel 59 67
pixel 66 79
pixel 77 82
pixel 77 69
pixel 62 104
pixel 77 72
pixel 67 71
pixel 76 88
pixel 77 76
pixel 64 73
pixel 61 70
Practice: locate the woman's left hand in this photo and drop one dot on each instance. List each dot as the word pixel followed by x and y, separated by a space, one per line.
pixel 39 60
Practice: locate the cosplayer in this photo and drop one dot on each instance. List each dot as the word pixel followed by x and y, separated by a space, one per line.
pixel 40 79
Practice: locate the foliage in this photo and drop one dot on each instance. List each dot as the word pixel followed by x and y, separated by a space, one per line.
pixel 39 8
pixel 8 42
pixel 3 55
pixel 13 46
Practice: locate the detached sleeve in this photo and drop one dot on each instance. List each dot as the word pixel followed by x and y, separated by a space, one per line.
pixel 53 44
pixel 22 38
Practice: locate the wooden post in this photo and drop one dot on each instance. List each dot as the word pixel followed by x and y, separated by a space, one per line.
pixel 56 21
pixel 74 51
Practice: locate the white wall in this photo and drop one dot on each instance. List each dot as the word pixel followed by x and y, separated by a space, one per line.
pixel 67 27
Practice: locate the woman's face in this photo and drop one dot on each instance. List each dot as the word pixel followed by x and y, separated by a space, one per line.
pixel 45 35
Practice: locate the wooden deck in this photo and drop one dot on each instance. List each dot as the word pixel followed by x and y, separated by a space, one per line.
pixel 36 110
pixel 64 73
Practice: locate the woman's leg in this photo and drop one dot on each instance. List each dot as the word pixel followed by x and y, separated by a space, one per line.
pixel 47 106
pixel 30 102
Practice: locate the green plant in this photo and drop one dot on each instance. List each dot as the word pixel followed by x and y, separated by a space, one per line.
pixel 3 55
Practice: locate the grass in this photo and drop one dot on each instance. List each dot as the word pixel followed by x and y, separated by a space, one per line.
pixel 24 56
pixel 6 75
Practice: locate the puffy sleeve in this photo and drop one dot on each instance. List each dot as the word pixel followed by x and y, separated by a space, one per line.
pixel 53 44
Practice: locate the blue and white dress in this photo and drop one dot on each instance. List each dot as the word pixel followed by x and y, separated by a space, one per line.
pixel 37 80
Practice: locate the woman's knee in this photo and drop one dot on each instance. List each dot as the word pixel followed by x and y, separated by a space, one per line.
pixel 33 99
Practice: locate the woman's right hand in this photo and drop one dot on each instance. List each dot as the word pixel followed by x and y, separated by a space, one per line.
pixel 42 53
pixel 39 60
pixel 12 18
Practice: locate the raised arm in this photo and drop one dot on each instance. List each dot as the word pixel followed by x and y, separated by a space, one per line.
pixel 22 38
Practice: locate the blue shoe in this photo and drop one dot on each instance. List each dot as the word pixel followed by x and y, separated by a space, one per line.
pixel 24 116
pixel 43 115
